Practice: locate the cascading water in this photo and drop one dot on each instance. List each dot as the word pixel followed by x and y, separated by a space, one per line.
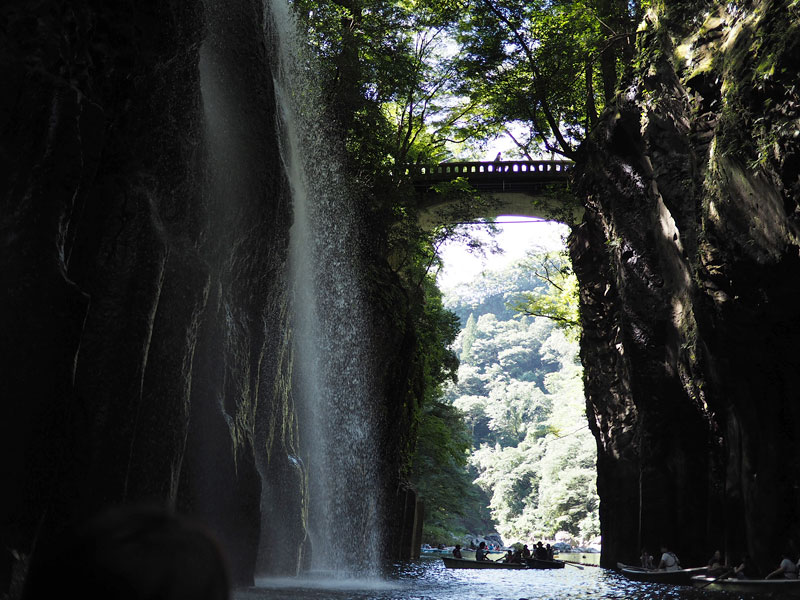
pixel 333 378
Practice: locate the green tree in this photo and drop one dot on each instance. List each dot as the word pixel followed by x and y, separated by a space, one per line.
pixel 474 410
pixel 536 63
pixel 514 409
pixel 560 301
pixel 396 94
pixel 522 396
pixel 490 292
pixel 439 467
pixel 467 338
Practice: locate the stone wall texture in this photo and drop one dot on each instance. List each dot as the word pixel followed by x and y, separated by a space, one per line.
pixel 145 337
pixel 688 259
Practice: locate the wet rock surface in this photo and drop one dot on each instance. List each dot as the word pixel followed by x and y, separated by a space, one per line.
pixel 144 308
pixel 688 258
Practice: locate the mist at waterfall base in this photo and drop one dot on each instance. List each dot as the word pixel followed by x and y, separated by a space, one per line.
pixel 333 379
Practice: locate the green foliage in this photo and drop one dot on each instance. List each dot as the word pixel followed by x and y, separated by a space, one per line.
pixel 439 467
pixel 397 92
pixel 437 328
pixel 491 292
pixel 560 300
pixel 521 391
pixel 440 474
pixel 468 338
pixel 411 81
pixel 536 63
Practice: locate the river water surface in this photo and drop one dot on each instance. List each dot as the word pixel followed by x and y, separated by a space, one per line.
pixel 427 579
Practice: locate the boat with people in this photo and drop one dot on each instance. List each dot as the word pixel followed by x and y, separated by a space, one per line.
pixel 780 588
pixel 530 563
pixel 465 563
pixel 541 563
pixel 676 577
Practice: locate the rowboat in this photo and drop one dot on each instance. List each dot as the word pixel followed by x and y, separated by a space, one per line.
pixel 679 577
pixel 780 587
pixel 463 563
pixel 539 563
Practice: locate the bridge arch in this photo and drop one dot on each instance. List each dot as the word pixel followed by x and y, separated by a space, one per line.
pixel 521 188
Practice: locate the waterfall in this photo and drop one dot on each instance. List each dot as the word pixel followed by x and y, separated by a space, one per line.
pixel 333 374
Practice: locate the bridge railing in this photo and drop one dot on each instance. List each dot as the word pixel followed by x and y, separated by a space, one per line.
pixel 550 169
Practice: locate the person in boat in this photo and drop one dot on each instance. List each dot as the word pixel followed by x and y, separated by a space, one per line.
pixel 715 565
pixel 668 562
pixel 481 552
pixel 745 570
pixel 550 554
pixel 540 552
pixel 526 553
pixel 787 569
pixel 508 557
pixel 457 552
pixel 646 559
pixel 516 558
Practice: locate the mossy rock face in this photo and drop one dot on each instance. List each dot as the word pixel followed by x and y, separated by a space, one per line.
pixel 138 336
pixel 685 259
pixel 759 67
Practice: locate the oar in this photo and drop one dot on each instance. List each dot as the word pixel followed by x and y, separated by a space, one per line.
pixel 717 578
pixel 572 564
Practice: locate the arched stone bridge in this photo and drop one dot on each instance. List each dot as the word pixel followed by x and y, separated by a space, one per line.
pixel 523 188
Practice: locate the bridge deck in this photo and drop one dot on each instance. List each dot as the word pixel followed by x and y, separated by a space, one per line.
pixel 518 187
pixel 510 176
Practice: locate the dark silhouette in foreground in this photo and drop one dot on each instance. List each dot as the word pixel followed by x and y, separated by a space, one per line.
pixel 130 553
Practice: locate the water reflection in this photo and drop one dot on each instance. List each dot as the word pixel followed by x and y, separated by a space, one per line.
pixel 427 579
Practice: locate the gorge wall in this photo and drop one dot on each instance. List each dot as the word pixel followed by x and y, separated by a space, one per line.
pixel 688 258
pixel 148 341
pixel 146 330
pixel 143 233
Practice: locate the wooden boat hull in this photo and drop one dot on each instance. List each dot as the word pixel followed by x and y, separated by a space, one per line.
pixel 679 577
pixel 779 587
pixel 538 563
pixel 463 563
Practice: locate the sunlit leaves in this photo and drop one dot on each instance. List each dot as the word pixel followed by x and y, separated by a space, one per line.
pixel 521 390
pixel 535 62
pixel 560 300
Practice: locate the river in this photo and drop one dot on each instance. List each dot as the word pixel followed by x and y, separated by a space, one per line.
pixel 427 579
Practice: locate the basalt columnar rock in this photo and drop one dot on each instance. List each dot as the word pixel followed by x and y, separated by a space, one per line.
pixel 689 258
pixel 143 233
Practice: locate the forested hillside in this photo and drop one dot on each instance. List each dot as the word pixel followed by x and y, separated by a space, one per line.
pixel 531 457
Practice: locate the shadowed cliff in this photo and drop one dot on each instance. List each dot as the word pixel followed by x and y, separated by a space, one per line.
pixel 144 308
pixel 147 334
pixel 688 258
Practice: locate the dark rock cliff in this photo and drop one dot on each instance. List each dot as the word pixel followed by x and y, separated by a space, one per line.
pixel 143 233
pixel 688 259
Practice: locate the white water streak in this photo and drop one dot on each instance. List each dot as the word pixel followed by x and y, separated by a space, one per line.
pixel 333 378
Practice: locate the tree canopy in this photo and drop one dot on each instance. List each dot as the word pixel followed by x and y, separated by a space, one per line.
pixel 520 391
pixel 559 301
pixel 550 66
pixel 416 81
